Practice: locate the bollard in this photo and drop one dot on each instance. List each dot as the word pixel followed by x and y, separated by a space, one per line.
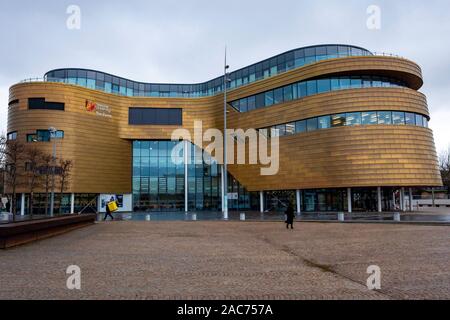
pixel 148 217
pixel 397 217
pixel 341 217
pixel 194 217
pixel 243 216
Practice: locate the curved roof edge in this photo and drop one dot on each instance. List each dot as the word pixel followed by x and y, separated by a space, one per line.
pixel 367 52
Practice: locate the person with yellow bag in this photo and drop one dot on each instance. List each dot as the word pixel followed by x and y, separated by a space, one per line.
pixel 111 206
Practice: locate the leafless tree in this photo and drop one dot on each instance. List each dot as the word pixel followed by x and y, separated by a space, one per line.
pixel 46 171
pixel 64 171
pixel 13 154
pixel 444 167
pixel 33 161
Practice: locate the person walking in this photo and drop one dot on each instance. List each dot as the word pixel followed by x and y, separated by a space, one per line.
pixel 290 215
pixel 108 212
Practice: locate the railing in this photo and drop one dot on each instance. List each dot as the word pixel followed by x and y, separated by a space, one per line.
pixel 387 54
pixel 54 80
pixel 33 80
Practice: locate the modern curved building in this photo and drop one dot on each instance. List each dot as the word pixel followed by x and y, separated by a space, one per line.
pixel 353 133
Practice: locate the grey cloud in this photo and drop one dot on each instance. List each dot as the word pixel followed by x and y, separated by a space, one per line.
pixel 183 41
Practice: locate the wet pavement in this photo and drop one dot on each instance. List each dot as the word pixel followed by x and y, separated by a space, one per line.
pixel 434 217
pixel 232 260
pixel 278 216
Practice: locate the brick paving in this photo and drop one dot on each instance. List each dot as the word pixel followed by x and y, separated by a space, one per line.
pixel 232 260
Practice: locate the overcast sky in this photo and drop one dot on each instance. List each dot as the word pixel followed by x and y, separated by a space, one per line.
pixel 183 41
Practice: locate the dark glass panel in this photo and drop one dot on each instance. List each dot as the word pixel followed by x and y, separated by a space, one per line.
pixel 312 124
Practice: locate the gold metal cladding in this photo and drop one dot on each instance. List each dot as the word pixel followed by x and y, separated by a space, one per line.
pixel 360 156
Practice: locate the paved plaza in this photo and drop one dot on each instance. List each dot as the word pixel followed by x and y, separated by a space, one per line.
pixel 232 260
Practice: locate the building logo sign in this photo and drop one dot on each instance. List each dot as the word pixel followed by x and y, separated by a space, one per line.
pixel 99 109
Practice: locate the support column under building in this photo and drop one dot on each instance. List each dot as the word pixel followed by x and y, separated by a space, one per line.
pixel 402 199
pixel 349 199
pixel 22 204
pixel 380 208
pixel 186 185
pixel 410 200
pixel 222 183
pixel 72 203
pixel 298 202
pixel 261 201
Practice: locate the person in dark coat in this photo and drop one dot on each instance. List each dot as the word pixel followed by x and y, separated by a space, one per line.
pixel 108 212
pixel 290 215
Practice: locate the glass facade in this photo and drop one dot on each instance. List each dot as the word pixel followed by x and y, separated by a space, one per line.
pixel 267 68
pixel 348 119
pixel 324 200
pixel 307 88
pixel 159 179
pixel 204 182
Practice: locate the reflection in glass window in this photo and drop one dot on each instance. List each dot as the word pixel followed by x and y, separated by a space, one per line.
pixel 287 93
pixel 290 128
pixel 268 98
pixel 410 118
pixel 338 120
pixel 353 119
pixel 398 117
pixel 344 83
pixel 300 126
pixel 311 87
pixel 323 85
pixel 90 84
pixel 384 117
pixel 419 120
pixel 324 122
pixel 311 124
pixel 348 119
pixel 302 90
pixel 278 96
pixel 243 105
pixel 281 129
pixel 251 103
pixel 368 118
pixel 335 84
pixel 355 82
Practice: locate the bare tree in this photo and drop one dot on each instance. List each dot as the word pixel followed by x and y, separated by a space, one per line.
pixel 64 171
pixel 33 158
pixel 444 167
pixel 46 171
pixel 2 161
pixel 13 154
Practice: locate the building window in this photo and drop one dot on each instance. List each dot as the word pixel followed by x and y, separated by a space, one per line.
pixel 311 87
pixel 353 119
pixel 384 117
pixel 348 119
pixel 324 122
pixel 398 117
pixel 338 120
pixel 44 136
pixel 419 120
pixel 311 124
pixel 369 117
pixel 41 104
pixel 410 119
pixel 12 136
pixel 155 116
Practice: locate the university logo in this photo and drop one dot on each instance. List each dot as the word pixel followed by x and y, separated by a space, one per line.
pixel 90 106
pixel 99 109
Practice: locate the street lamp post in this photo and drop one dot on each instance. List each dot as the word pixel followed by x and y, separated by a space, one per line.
pixel 53 131
pixel 225 171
